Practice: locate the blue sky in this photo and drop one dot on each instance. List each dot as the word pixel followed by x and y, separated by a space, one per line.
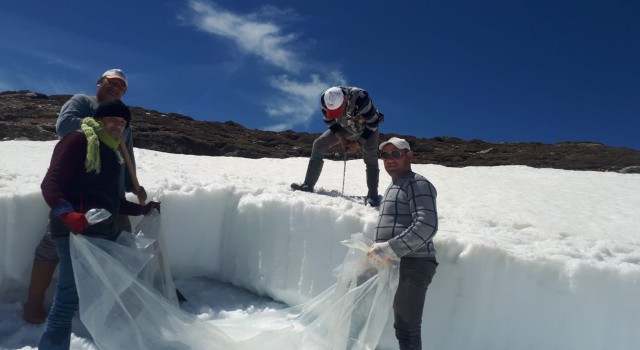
pixel 499 71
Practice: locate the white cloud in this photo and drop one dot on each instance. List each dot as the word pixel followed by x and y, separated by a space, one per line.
pixel 249 32
pixel 299 101
pixel 256 34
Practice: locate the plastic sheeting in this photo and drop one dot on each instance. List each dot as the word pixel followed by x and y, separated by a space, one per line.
pixel 147 238
pixel 127 301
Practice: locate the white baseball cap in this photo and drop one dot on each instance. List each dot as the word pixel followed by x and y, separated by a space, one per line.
pixel 398 142
pixel 116 73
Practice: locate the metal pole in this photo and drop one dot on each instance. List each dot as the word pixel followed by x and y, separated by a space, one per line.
pixel 344 170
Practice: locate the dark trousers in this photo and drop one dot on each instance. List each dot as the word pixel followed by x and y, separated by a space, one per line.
pixel 328 139
pixel 415 276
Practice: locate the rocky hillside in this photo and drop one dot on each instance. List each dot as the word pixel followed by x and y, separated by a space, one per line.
pixel 31 116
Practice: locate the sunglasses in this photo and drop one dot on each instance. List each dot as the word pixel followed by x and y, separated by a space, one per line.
pixel 393 154
pixel 116 83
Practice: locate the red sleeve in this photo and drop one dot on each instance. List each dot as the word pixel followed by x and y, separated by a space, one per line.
pixel 67 164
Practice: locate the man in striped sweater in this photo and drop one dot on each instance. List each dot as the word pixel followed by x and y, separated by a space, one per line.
pixel 353 124
pixel 407 223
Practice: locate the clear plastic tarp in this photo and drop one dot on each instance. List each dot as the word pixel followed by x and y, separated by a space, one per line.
pixel 128 301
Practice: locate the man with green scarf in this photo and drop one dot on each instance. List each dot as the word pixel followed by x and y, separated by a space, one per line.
pixel 84 174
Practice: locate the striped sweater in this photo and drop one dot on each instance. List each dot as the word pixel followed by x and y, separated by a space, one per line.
pixel 360 118
pixel 408 217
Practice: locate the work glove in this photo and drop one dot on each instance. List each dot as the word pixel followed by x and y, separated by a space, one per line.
pixel 141 194
pixel 381 253
pixel 75 221
pixel 149 206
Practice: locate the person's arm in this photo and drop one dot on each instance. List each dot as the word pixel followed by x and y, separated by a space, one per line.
pixel 67 163
pixel 422 205
pixel 366 109
pixel 133 209
pixel 72 113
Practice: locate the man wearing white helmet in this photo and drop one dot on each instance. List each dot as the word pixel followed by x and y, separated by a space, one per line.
pixel 353 123
pixel 112 85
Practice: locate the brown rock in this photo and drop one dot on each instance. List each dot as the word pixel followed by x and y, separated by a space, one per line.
pixel 32 116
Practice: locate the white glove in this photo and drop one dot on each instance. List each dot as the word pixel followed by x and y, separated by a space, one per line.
pixel 381 253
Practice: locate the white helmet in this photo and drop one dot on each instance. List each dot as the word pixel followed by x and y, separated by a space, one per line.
pixel 333 99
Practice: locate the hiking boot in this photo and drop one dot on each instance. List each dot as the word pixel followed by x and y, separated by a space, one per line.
pixel 34 313
pixel 302 187
pixel 372 199
pixel 313 174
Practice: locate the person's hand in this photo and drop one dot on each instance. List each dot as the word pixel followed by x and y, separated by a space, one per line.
pixel 382 252
pixel 352 147
pixel 149 206
pixel 343 140
pixel 75 221
pixel 141 194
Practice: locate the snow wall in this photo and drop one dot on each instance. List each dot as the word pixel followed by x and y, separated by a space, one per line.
pixel 286 247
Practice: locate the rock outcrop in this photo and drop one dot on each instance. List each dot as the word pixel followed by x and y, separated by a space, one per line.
pixel 32 116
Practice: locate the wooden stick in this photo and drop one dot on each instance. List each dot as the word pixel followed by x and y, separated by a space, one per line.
pixel 132 169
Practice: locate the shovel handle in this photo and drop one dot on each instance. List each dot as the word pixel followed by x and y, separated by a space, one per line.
pixel 132 169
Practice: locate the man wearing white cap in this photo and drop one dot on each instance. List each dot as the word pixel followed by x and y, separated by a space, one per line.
pixel 407 223
pixel 112 85
pixel 353 123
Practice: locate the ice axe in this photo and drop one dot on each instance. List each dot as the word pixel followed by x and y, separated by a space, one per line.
pixel 345 152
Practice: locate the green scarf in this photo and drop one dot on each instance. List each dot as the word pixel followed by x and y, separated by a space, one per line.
pixel 95 133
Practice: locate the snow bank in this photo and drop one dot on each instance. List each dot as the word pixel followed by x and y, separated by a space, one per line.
pixel 529 258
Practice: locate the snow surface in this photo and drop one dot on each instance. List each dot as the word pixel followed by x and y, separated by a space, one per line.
pixel 529 258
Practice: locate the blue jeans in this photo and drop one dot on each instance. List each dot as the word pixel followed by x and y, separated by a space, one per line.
pixel 415 276
pixel 57 334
